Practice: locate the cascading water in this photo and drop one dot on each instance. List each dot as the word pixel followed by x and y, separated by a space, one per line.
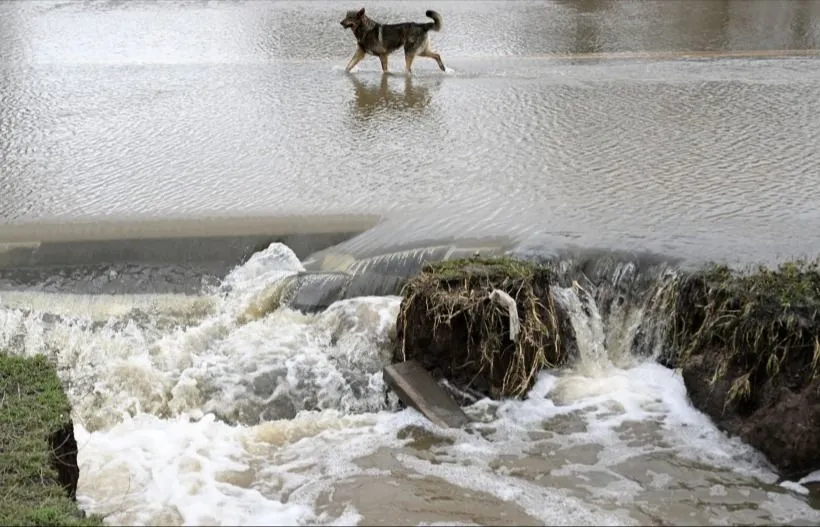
pixel 243 371
pixel 230 407
pixel 586 322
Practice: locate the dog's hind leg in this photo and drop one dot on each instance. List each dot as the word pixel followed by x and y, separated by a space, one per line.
pixel 435 56
pixel 383 59
pixel 429 53
pixel 357 57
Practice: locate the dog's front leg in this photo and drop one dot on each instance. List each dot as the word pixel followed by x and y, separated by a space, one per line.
pixel 357 57
pixel 408 62
pixel 383 58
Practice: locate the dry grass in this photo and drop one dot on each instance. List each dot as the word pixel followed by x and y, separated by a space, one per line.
pixel 458 291
pixel 760 321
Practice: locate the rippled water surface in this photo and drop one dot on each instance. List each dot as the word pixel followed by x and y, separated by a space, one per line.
pixel 180 109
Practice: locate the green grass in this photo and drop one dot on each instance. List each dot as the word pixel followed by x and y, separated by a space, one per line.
pixel 33 406
pixel 760 320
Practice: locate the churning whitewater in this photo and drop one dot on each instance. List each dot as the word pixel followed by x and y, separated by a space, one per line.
pixel 229 408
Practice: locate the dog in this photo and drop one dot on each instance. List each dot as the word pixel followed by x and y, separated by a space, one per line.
pixel 383 39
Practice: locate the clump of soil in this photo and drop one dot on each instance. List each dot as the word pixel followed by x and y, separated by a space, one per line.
pixel 488 326
pixel 748 344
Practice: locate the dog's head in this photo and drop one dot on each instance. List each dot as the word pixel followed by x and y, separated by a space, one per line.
pixel 353 18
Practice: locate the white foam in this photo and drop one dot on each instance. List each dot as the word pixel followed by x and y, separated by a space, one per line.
pixel 814 477
pixel 788 508
pixel 614 397
pixel 120 368
pixel 322 453
pixel 262 270
pixel 794 486
pixel 148 470
pixel 445 524
pixel 103 307
pixel 287 362
pixel 800 485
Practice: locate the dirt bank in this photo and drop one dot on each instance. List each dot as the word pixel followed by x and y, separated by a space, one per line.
pixel 486 325
pixel 748 344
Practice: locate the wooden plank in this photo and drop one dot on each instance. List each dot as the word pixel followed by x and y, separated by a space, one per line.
pixel 416 388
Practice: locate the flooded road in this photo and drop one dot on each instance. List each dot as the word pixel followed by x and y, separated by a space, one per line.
pixel 674 126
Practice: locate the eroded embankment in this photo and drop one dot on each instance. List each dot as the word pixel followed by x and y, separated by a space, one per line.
pixel 38 466
pixel 487 325
pixel 747 344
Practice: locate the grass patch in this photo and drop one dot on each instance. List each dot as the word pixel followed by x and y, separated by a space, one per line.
pixel 38 471
pixel 451 315
pixel 763 322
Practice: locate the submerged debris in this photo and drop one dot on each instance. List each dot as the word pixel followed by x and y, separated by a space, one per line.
pixel 486 325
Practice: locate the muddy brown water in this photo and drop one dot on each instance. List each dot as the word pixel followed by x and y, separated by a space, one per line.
pixel 685 127
pixel 678 126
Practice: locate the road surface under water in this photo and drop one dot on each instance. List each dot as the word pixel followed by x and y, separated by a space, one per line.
pixel 687 128
pixel 682 127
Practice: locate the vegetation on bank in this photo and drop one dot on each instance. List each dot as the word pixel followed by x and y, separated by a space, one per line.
pixel 764 324
pixel 38 471
pixel 489 323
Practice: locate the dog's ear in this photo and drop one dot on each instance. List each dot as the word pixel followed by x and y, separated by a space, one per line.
pixel 360 14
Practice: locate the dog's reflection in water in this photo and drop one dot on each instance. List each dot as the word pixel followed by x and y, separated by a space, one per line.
pixel 371 98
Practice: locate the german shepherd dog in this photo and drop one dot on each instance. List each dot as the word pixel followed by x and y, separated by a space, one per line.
pixel 383 39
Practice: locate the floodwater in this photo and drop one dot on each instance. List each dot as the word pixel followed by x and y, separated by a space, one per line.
pixel 688 128
pixel 619 123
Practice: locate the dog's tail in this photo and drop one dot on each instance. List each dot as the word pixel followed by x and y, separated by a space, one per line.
pixel 436 24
